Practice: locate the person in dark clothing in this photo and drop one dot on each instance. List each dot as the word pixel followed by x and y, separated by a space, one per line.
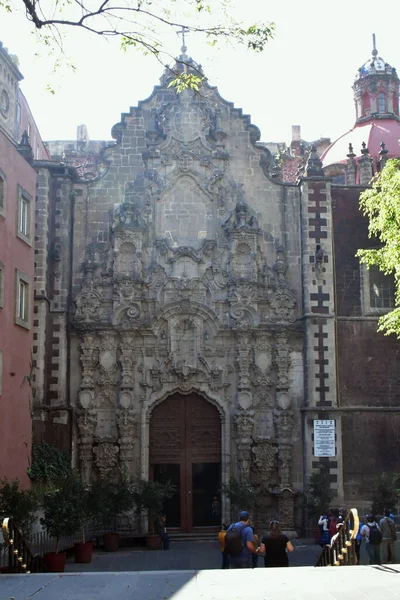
pixel 275 546
pixel 162 526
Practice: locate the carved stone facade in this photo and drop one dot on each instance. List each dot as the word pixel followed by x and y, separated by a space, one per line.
pixel 184 268
pixel 185 280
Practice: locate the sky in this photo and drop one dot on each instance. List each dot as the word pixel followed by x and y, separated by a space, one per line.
pixel 303 77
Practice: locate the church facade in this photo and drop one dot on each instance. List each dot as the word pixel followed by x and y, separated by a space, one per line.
pixel 198 318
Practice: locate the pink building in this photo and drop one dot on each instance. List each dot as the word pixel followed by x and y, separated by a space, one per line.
pixel 17 214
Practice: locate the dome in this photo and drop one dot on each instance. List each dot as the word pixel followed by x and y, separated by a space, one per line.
pixel 373 133
pixel 375 65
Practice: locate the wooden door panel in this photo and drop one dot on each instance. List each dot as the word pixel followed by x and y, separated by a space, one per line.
pixel 185 430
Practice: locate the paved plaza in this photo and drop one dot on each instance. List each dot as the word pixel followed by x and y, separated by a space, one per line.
pixel 303 583
pixel 190 571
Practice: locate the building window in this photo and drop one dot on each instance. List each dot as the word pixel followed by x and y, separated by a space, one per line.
pixel 381 103
pixel 2 194
pixel 24 216
pixel 22 299
pixel 1 285
pixel 378 291
pixel 18 113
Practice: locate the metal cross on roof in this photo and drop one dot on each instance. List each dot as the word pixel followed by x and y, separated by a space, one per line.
pixel 182 32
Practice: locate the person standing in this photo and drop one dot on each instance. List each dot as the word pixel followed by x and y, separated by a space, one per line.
pixel 275 546
pixel 163 533
pixel 254 557
pixel 373 538
pixel 239 543
pixel 323 524
pixel 221 539
pixel 389 536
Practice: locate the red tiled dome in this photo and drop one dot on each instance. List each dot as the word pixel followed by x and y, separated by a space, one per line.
pixel 372 132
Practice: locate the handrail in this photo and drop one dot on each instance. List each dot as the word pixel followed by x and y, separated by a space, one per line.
pixel 20 557
pixel 341 551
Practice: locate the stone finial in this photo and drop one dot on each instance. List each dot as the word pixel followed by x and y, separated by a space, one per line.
pixel 365 166
pixel 351 167
pixel 314 164
pixel 25 149
pixel 382 155
pixel 351 154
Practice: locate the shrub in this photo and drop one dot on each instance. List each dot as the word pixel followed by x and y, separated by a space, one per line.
pixel 48 464
pixel 18 504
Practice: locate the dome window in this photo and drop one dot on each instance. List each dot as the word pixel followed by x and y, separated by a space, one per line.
pixel 381 103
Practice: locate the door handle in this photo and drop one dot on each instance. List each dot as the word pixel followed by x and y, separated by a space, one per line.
pixel 190 492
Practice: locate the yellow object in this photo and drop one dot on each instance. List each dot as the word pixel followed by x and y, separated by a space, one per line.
pixel 221 539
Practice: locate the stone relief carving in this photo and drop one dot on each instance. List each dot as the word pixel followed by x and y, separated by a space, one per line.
pixel 244 426
pixel 86 424
pixel 106 458
pixel 264 463
pixel 126 421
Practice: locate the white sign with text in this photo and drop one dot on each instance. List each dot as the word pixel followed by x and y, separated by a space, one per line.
pixel 324 438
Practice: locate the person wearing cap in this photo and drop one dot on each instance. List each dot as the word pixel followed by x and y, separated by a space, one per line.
pixel 244 559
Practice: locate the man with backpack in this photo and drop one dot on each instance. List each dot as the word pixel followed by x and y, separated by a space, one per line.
pixel 389 536
pixel 239 543
pixel 373 538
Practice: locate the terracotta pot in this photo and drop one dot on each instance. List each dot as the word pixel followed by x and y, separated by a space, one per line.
pixel 111 542
pixel 83 552
pixel 54 563
pixel 153 541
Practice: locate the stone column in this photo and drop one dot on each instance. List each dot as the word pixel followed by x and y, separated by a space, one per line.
pixel 126 421
pixel 86 423
pixel 244 425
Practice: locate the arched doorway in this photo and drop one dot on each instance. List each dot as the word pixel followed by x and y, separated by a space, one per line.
pixel 185 448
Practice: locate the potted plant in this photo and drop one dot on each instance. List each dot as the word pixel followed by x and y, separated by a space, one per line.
pixel 65 511
pixel 150 496
pixel 110 500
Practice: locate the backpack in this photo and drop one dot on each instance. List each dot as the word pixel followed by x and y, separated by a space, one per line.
pixel 233 540
pixel 375 536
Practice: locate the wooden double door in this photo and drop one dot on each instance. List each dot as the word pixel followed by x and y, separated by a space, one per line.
pixel 185 449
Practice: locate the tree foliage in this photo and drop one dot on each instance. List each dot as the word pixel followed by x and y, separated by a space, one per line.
pixel 241 494
pixel 319 493
pixel 48 464
pixel 141 23
pixel 387 494
pixel 381 204
pixel 18 504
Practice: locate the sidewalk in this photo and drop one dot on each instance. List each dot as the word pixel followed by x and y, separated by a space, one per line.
pixel 303 583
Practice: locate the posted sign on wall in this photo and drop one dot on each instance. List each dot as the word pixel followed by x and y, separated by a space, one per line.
pixel 324 438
